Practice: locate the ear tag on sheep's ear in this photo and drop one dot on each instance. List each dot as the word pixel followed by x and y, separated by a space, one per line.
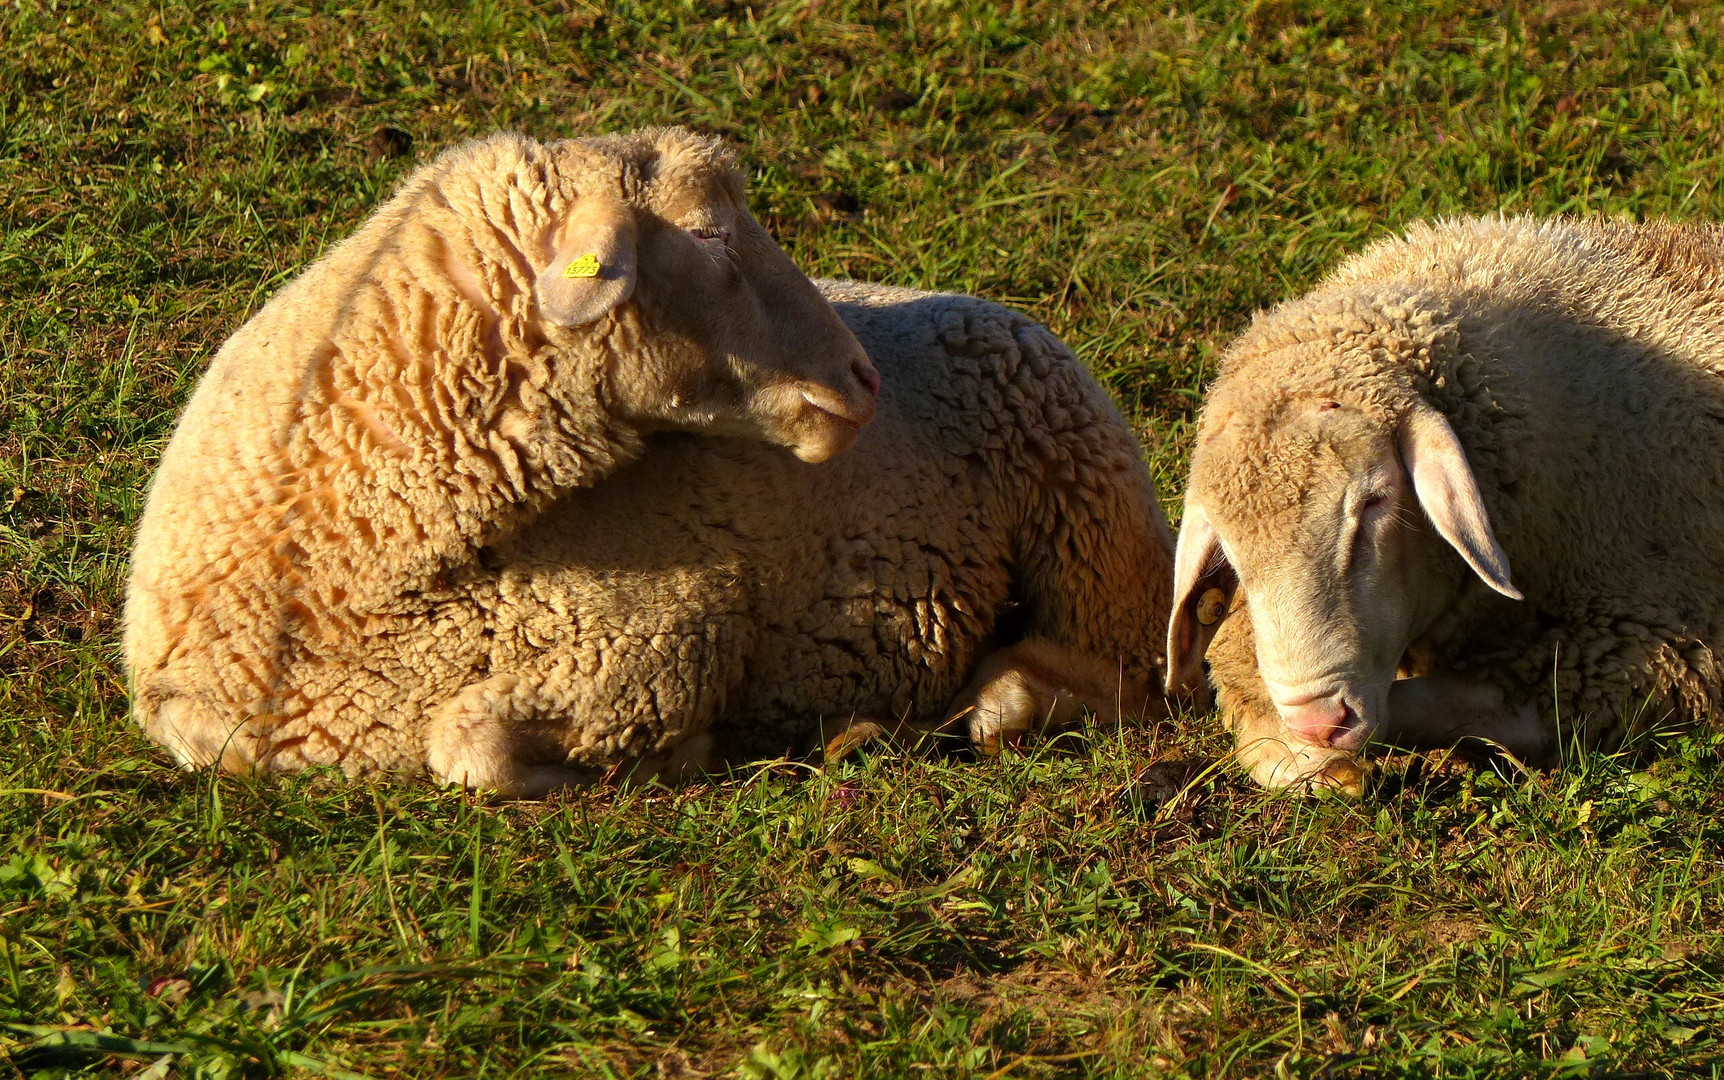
pixel 585 266
pixel 1211 606
pixel 591 270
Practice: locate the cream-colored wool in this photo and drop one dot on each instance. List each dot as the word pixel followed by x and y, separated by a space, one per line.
pixel 1581 367
pixel 440 505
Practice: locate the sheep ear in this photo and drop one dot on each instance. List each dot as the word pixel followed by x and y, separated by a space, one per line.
pixel 1203 586
pixel 592 268
pixel 1449 495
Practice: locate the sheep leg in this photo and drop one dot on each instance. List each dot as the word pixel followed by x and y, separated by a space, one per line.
pixel 503 734
pixel 1439 710
pixel 861 730
pixel 491 735
pixel 1261 744
pixel 199 735
pixel 685 763
pixel 1262 747
pixel 1036 686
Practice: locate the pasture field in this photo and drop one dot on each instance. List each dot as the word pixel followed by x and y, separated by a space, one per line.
pixel 1141 177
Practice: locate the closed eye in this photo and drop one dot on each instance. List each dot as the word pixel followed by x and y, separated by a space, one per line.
pixel 1368 517
pixel 1365 511
pixel 716 240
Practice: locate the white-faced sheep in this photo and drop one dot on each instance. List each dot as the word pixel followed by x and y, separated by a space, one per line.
pixel 518 484
pixel 1374 457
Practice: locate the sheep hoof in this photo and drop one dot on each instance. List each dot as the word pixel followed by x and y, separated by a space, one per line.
pixel 1343 776
pixel 1276 765
pixel 992 741
pixel 1006 712
pixel 922 738
pixel 854 736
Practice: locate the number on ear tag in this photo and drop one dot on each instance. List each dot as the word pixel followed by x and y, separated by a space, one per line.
pixel 585 266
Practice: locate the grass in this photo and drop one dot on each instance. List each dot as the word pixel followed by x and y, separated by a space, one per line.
pixel 1139 177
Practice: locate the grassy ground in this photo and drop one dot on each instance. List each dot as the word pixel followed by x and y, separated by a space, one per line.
pixel 1139 177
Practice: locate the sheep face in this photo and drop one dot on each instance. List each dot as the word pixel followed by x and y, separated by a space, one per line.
pixel 766 357
pixel 1333 519
pixel 715 329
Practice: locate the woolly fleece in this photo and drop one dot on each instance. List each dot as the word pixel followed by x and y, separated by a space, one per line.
pixel 317 600
pixel 1581 365
pixel 304 567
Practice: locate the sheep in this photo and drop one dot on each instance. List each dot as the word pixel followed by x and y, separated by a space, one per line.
pixel 1374 457
pixel 559 468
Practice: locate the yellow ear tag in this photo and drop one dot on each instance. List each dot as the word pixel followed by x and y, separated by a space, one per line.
pixel 585 266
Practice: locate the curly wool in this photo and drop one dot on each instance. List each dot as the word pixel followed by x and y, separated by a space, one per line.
pixel 1581 365
pixel 997 485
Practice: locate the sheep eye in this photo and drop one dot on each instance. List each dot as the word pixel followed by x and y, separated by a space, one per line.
pixel 1376 501
pixel 712 232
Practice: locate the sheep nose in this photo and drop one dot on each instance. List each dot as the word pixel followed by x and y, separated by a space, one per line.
pixel 868 376
pixel 1316 721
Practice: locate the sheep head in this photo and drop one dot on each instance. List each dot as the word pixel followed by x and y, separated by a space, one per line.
pixel 1336 516
pixel 708 325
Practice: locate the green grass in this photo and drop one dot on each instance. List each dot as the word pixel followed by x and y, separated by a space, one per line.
pixel 1139 177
